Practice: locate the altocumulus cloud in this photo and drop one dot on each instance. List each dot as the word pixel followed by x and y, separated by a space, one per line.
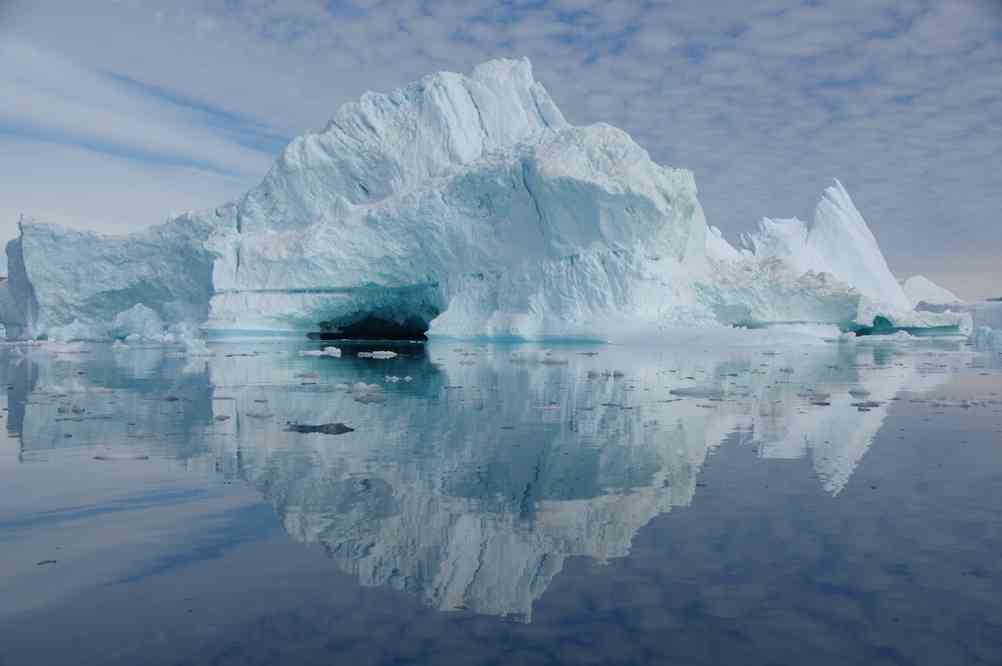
pixel 117 113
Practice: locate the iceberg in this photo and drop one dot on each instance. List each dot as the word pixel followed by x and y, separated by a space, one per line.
pixel 920 289
pixel 986 338
pixel 458 205
pixel 70 283
pixel 838 243
pixel 986 314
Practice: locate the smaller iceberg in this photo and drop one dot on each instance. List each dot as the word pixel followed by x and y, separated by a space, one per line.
pixel 829 271
pixel 920 289
pixel 986 338
pixel 987 314
pixel 838 243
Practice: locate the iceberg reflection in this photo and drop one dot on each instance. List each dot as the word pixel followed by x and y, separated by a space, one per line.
pixel 472 472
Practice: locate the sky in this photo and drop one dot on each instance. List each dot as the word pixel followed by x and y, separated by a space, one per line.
pixel 116 114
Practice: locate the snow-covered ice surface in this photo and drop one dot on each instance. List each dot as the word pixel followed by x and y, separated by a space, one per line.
pixel 466 206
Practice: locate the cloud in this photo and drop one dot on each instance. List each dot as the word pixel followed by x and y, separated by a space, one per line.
pixel 78 187
pixel 50 99
pixel 765 101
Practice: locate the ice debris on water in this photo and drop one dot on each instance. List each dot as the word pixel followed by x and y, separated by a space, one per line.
pixel 333 352
pixel 378 354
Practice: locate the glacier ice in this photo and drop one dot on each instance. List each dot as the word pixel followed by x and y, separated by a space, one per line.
pixel 461 206
pixel 920 289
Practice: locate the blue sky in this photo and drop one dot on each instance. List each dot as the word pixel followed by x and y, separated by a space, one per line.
pixel 116 114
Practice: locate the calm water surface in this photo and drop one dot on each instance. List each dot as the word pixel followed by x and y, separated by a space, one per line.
pixel 825 503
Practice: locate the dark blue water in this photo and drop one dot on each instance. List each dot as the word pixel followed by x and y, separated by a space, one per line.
pixel 824 503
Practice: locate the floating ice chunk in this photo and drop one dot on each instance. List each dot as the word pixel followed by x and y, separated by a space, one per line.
pixel 333 352
pixel 378 354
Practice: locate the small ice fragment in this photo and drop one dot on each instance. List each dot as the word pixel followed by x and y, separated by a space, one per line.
pixel 333 352
pixel 381 354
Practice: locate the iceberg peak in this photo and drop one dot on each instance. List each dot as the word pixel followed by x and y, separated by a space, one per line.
pixel 837 242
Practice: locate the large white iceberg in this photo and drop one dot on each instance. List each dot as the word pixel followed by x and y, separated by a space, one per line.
pixel 464 206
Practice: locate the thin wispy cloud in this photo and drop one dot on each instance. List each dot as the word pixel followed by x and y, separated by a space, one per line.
pixel 765 101
pixel 51 99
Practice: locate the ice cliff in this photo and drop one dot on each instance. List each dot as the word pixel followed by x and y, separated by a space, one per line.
pixel 458 205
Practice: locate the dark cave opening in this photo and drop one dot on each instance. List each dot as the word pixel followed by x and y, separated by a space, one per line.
pixel 372 327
